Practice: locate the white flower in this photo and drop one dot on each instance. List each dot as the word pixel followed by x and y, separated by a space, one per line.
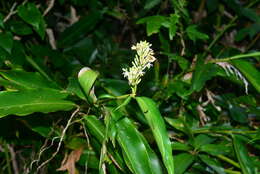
pixel 142 60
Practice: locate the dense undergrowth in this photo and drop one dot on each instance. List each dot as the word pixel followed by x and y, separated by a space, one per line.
pixel 72 101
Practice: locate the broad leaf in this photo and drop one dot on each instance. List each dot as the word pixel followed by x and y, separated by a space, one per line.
pixel 87 78
pixel 27 80
pixel 211 162
pixel 26 102
pixel 132 142
pixel 6 41
pixel 247 166
pixel 158 127
pixel 249 71
pixel 31 14
pixel 184 160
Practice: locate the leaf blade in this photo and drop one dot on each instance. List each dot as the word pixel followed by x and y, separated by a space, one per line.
pixel 158 127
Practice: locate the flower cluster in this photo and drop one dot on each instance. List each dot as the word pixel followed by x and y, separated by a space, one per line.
pixel 143 59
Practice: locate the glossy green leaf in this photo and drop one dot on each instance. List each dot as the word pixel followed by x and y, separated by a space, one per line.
pixel 249 71
pixel 157 125
pixel 134 147
pixel 74 88
pixel 32 15
pixel 26 102
pixel 183 161
pixel 194 34
pixel 27 80
pixel 95 127
pixel 214 164
pixel 216 149
pixel 87 78
pixel 6 41
pixel 181 147
pixel 201 140
pixel 246 164
pixel 79 29
pixel 98 130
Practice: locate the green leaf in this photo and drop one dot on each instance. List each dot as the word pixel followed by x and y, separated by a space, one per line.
pixel 174 19
pixel 211 162
pixel 32 15
pixel 244 159
pixel 95 127
pixel 215 149
pixel 194 34
pixel 87 78
pixel 151 3
pixel 79 29
pixel 181 146
pixel 249 71
pixel 6 41
pixel 153 23
pixel 27 80
pixel 134 147
pixel 74 88
pixel 98 130
pixel 26 102
pixel 237 113
pixel 20 28
pixel 203 72
pixel 184 160
pixel 201 140
pixel 157 125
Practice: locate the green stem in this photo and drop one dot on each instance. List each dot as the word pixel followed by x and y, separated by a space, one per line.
pixel 228 160
pixel 225 131
pixel 231 171
pixel 236 57
pixel 134 89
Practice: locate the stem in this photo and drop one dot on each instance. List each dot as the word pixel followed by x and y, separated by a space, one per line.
pixel 235 57
pixel 224 131
pixel 231 171
pixel 228 160
pixel 134 89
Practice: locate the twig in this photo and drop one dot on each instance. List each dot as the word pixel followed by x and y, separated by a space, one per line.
pixel 51 37
pixel 73 15
pixel 50 6
pixel 13 158
pixel 12 12
pixel 61 139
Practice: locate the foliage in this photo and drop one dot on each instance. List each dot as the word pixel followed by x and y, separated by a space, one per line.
pixel 66 107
